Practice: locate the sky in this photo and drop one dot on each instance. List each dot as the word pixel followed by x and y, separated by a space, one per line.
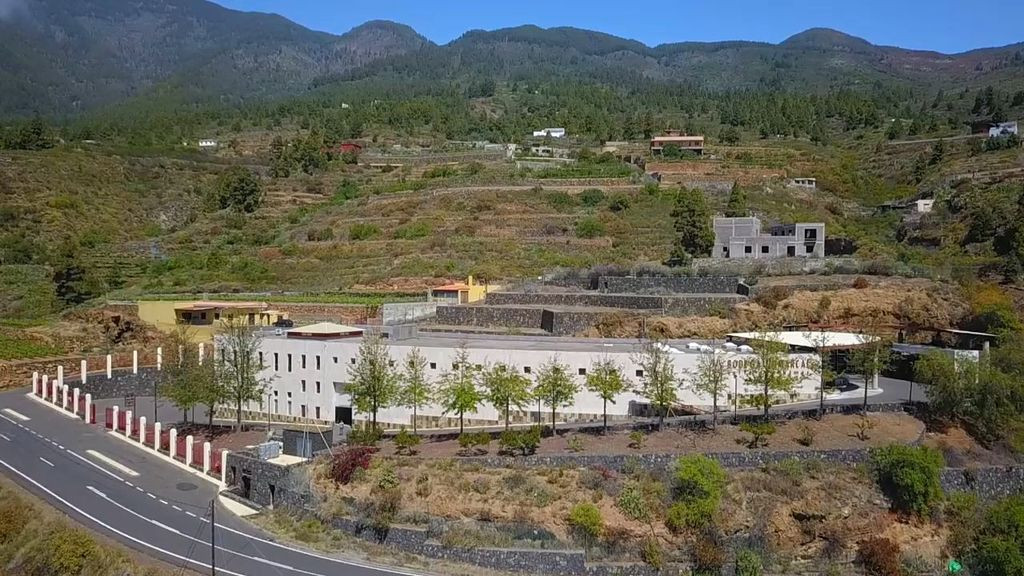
pixel 948 26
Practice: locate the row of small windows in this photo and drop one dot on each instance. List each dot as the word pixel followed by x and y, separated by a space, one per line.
pixel 302 409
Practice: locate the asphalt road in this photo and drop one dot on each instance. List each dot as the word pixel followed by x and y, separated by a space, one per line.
pixel 141 500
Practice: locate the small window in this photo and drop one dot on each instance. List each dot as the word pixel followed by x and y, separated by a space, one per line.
pixel 289 407
pixel 810 234
pixel 317 361
pixel 303 361
pixel 582 371
pixel 216 315
pixel 433 365
pixel 317 411
pixel 352 361
pixel 764 249
pixel 527 370
pixel 318 387
pixel 455 365
pixel 276 363
pixel 725 250
pixel 275 393
pixel 639 373
pixel 302 410
pixel 790 250
pixel 809 249
pixel 748 249
pixel 391 363
pixel 203 315
pixel 289 394
pixel 261 358
pixel 303 387
pixel 335 359
pixel 289 362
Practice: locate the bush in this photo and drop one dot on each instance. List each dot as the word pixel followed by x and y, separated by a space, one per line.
pixel 880 557
pixel 561 201
pixel 239 189
pixel 474 442
pixel 636 439
pixel 589 227
pixel 480 485
pixel 861 283
pixel 771 297
pixel 651 552
pixel 619 204
pixel 406 442
pixel 362 231
pixel 442 171
pixel 575 444
pixel 708 556
pixel 909 476
pixel 423 485
pixel 524 442
pixel 694 515
pixel 346 190
pixel 698 477
pixel 420 229
pixel 864 425
pixel 640 498
pixel 346 462
pixel 586 520
pixel 320 235
pixel 386 478
pixel 806 435
pixel 591 197
pixel 749 563
pixel 364 437
pixel 759 432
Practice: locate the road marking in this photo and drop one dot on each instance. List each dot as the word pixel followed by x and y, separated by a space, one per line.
pixel 17 415
pixel 164 502
pixel 96 466
pixel 11 421
pixel 47 462
pixel 175 506
pixel 190 514
pixel 98 522
pixel 112 463
pixel 4 436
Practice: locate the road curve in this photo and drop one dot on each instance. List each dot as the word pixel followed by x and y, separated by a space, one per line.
pixel 142 501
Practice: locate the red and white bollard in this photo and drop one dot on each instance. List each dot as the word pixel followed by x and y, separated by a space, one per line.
pixel 189 441
pixel 135 361
pixel 35 383
pixel 117 422
pixel 54 390
pixel 173 448
pixel 156 436
pixel 88 410
pixel 46 387
pixel 224 467
pixel 207 451
pixel 76 394
pixel 159 358
pixel 142 430
pixel 128 423
pixel 63 396
pixel 110 367
pixel 84 369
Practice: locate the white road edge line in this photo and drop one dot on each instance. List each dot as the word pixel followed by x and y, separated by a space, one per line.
pixel 98 522
pixel 47 462
pixel 11 421
pixel 112 463
pixel 17 415
pixel 4 436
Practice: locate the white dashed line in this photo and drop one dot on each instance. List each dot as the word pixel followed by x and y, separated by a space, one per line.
pixel 190 514
pixel 5 437
pixel 151 495
pixel 175 506
pixel 112 463
pixel 139 488
pixel 17 415
pixel 47 462
pixel 164 502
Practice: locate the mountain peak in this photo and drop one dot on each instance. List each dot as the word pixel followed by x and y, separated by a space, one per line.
pixel 827 39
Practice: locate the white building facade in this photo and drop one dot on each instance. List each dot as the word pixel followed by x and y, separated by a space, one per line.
pixel 307 376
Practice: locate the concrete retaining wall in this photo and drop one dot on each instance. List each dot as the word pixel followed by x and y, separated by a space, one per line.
pixel 404 312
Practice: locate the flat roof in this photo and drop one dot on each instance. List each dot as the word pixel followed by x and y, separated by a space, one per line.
pixel 208 305
pixel 324 328
pixel 808 339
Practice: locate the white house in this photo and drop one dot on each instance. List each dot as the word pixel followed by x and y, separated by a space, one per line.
pixel 308 369
pixel 924 206
pixel 1002 129
pixel 552 132
pixel 207 143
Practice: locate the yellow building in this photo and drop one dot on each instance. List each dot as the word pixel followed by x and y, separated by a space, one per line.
pixel 461 293
pixel 203 318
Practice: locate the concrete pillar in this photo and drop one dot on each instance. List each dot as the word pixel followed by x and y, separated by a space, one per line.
pixel 159 358
pixel 75 395
pixel 128 423
pixel 46 387
pixel 207 452
pixel 202 352
pixel 64 397
pixel 135 361
pixel 173 448
pixel 110 367
pixel 60 374
pixel 35 384
pixel 88 409
pixel 156 436
pixel 224 467
pixel 113 415
pixel 84 369
pixel 189 441
pixel 53 391
pixel 142 430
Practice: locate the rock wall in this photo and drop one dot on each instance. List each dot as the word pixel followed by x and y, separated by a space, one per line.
pixel 268 484
pixel 120 384
pixel 489 316
pixel 988 483
pixel 668 285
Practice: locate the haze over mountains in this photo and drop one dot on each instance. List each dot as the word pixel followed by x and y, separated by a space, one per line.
pixel 62 58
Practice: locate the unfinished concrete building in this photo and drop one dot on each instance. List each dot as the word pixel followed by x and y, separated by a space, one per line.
pixel 743 238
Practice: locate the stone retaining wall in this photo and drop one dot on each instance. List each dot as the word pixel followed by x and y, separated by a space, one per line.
pixel 692 303
pixel 489 316
pixel 668 284
pixel 120 384
pixel 988 483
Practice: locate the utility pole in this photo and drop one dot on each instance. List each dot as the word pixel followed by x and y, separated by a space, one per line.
pixel 213 537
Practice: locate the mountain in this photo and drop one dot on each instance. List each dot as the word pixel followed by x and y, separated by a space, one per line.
pixel 63 57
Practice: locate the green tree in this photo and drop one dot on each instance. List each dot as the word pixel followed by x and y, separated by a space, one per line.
pixel 692 224
pixel 658 383
pixel 938 152
pixel 179 380
pixel 711 379
pixel 506 388
pixel 458 391
pixel 416 389
pixel 555 387
pixel 373 381
pixel 737 205
pixel 241 367
pixel 729 135
pixel 822 364
pixel 872 357
pixel 770 371
pixel 605 379
pixel 909 476
pixel 239 189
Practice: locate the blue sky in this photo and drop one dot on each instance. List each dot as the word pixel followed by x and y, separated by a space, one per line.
pixel 942 25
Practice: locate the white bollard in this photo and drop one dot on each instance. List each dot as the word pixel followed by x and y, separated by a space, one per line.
pixel 84 369
pixel 189 441
pixel 64 397
pixel 224 467
pixel 88 409
pixel 142 430
pixel 159 358
pixel 75 395
pixel 35 383
pixel 53 390
pixel 114 415
pixel 156 436
pixel 110 367
pixel 46 386
pixel 128 423
pixel 135 361
pixel 173 447
pixel 206 457
pixel 202 352
pixel 60 374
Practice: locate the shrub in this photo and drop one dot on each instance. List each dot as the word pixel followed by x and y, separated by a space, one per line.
pixel 771 297
pixel 909 476
pixel 575 444
pixel 522 442
pixel 708 556
pixel 759 432
pixel 442 171
pixel 651 553
pixel 864 425
pixel 423 485
pixel 698 477
pixel 320 235
pixel 386 478
pixel 346 462
pixel 636 439
pixel 561 201
pixel 619 204
pixel 346 190
pixel 806 435
pixel 997 557
pixel 362 231
pixel 693 515
pixel 474 442
pixel 749 563
pixel 591 197
pixel 640 498
pixel 589 227
pixel 480 485
pixel 364 437
pixel 406 442
pixel 586 520
pixel 861 283
pixel 420 229
pixel 880 557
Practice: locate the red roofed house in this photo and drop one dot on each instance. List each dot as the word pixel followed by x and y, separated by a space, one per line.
pixel 461 292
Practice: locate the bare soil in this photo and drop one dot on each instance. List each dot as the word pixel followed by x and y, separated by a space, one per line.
pixel 962 451
pixel 834 432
